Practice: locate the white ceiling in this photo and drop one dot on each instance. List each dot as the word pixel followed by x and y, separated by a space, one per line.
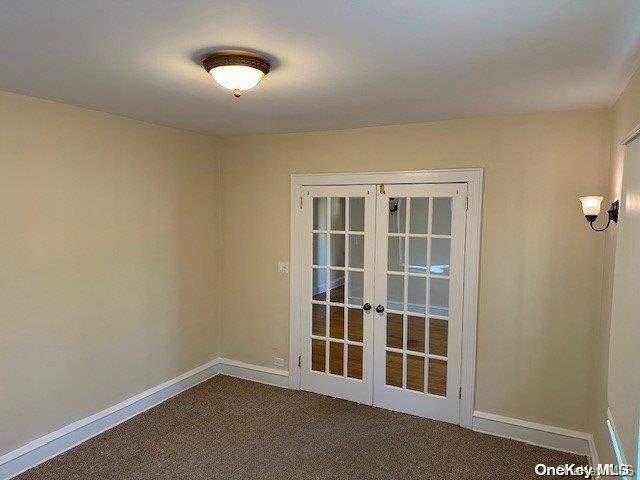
pixel 338 63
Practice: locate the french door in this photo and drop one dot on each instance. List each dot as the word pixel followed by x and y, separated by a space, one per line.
pixel 383 294
pixel 418 283
pixel 338 231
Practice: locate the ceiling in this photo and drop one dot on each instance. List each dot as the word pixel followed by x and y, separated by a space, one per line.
pixel 337 63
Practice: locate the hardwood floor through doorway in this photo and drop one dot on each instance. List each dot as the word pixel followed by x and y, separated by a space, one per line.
pixel 415 341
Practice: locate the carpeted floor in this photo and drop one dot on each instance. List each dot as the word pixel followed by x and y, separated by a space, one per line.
pixel 234 429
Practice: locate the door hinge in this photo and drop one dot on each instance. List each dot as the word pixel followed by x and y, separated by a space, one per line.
pixel 460 393
pixel 382 189
pixel 299 361
pixel 466 204
pixel 300 203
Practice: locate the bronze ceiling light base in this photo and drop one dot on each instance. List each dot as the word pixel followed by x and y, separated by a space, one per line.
pixel 236 70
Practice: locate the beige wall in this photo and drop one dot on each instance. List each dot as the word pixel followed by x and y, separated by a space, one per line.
pixel 626 116
pixel 113 231
pixel 541 266
pixel 108 261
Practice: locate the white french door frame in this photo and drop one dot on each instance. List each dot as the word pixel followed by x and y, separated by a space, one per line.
pixel 473 178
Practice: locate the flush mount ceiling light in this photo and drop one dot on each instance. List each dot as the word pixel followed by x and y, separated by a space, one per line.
pixel 236 70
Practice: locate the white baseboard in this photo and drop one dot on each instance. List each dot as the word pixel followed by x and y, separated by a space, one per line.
pixel 562 439
pixel 57 442
pixel 61 440
pixel 255 373
pixel 594 461
pixel 614 438
pixel 336 282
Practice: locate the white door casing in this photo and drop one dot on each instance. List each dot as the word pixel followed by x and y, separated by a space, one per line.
pixel 472 179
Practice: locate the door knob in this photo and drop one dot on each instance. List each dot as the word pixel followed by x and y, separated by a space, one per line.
pixel 379 309
pixel 366 307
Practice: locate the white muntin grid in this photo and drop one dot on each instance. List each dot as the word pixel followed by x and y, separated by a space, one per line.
pixel 405 312
pixel 348 271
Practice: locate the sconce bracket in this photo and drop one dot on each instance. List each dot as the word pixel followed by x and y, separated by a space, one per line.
pixel 613 211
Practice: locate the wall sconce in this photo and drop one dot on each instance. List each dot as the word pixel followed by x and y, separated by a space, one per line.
pixel 591 210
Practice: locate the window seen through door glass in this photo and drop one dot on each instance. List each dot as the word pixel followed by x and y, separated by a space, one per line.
pixel 337 213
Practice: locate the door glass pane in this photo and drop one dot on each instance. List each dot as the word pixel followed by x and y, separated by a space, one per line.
pixel 417 294
pixel 439 296
pixel 337 213
pixel 394 330
pixel 415 334
pixel 418 215
pixel 394 369
pixel 395 292
pixel 441 216
pixel 438 336
pixel 415 373
pixel 356 214
pixel 356 288
pixel 318 319
pixel 319 248
pixel 418 255
pixel 319 283
pixel 337 250
pixel 354 361
pixel 336 358
pixel 336 322
pixel 337 286
pixel 318 355
pixel 440 256
pixel 437 377
pixel 397 215
pixel 319 213
pixel 395 254
pixel 355 324
pixel 356 251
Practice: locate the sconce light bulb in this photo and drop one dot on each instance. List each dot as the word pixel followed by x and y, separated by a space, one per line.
pixel 591 206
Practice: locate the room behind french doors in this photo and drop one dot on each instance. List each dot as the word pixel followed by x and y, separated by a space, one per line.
pixel 382 291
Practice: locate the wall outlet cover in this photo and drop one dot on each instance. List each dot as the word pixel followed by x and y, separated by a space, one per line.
pixel 278 362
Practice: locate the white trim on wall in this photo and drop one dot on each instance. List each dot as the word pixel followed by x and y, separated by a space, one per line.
pixel 557 438
pixel 632 136
pixel 69 436
pixel 55 443
pixel 614 438
pixel 594 461
pixel 473 177
pixel 336 282
pixel 61 440
pixel 255 373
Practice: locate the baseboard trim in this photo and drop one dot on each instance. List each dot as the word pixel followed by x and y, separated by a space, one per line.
pixel 255 373
pixel 557 438
pixel 594 461
pixel 69 436
pixel 614 438
pixel 61 440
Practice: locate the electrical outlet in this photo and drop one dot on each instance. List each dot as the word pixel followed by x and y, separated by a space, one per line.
pixel 283 267
pixel 278 362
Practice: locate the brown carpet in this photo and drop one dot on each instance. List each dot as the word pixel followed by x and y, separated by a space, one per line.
pixel 233 429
